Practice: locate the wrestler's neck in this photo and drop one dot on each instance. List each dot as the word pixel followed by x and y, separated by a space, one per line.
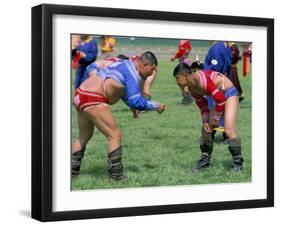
pixel 138 67
pixel 192 80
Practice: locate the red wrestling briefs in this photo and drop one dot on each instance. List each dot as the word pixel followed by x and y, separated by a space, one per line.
pixel 83 99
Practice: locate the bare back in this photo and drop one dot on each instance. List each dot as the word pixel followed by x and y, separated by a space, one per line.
pixel 220 81
pixel 104 63
pixel 109 88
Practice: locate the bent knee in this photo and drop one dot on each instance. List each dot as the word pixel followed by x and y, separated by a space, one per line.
pixel 230 133
pixel 84 139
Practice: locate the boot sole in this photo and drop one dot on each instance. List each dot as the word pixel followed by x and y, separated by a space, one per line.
pixel 194 169
pixel 124 178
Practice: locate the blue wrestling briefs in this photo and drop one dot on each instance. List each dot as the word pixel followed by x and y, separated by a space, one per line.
pixel 231 92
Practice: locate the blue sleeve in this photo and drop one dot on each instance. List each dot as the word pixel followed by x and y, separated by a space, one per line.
pixel 133 97
pixel 91 67
pixel 91 52
pixel 227 60
pixel 214 60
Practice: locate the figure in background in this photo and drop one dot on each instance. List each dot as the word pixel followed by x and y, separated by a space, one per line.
pixel 247 59
pixel 75 41
pixel 107 45
pixel 234 72
pixel 87 52
pixel 182 55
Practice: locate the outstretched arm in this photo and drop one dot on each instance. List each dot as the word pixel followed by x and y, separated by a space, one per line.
pixel 134 98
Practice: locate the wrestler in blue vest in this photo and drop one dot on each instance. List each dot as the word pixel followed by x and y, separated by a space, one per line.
pixel 125 73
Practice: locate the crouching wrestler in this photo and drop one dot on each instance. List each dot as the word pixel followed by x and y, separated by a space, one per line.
pixel 144 84
pixel 204 83
pixel 120 80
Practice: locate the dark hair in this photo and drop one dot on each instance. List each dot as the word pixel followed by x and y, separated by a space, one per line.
pixel 150 57
pixel 83 37
pixel 197 65
pixel 122 57
pixel 182 68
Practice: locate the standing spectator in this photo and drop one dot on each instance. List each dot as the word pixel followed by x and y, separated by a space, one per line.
pixel 219 58
pixel 87 52
pixel 75 41
pixel 247 55
pixel 182 54
pixel 107 45
pixel 234 73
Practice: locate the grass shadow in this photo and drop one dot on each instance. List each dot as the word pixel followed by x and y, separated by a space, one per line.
pixel 132 168
pixel 226 164
pixel 97 170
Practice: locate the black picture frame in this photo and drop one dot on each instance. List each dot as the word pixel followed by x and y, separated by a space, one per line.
pixel 42 107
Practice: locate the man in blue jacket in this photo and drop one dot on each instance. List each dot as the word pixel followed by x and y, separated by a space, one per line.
pixel 87 51
pixel 219 58
pixel 120 80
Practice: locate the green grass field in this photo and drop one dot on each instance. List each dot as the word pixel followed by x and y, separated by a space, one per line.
pixel 158 149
